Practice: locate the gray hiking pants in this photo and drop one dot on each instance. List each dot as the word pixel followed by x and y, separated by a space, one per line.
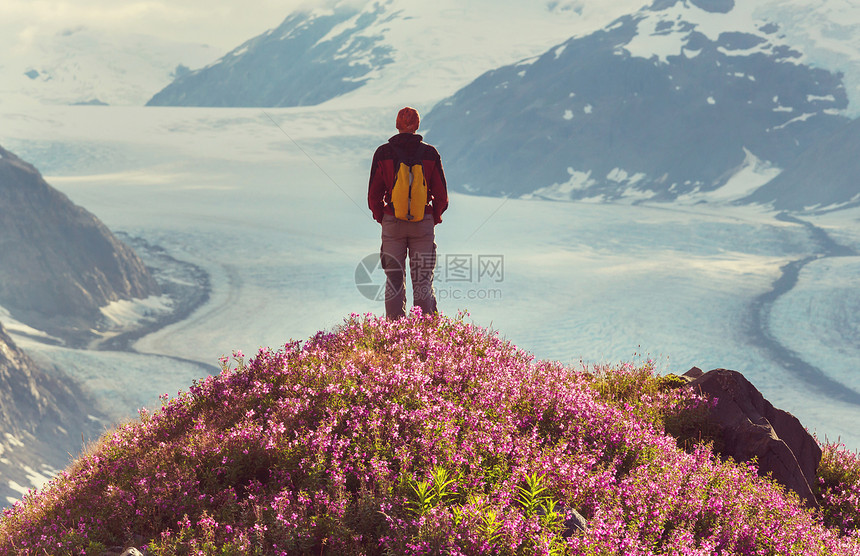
pixel 417 239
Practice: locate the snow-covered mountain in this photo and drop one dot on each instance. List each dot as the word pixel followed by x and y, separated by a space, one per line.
pixel 396 51
pixel 673 101
pixel 90 66
pixel 310 58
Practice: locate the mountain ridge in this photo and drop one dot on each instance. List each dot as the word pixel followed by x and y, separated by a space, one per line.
pixel 59 265
pixel 822 178
pixel 298 46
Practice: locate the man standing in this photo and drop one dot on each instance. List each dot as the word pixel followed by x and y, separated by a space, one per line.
pixel 405 234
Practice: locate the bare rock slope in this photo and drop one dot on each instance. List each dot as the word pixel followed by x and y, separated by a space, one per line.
pixel 58 263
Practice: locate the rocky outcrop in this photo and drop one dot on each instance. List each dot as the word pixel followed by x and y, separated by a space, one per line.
pixel 748 426
pixel 44 418
pixel 58 262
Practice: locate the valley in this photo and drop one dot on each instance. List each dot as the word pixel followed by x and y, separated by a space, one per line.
pixel 277 224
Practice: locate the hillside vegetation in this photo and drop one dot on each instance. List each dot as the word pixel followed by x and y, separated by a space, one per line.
pixel 425 436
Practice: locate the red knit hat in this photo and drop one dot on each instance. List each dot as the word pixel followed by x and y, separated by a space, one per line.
pixel 407 120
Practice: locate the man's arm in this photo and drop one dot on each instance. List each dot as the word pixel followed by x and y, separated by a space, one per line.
pixel 376 188
pixel 439 190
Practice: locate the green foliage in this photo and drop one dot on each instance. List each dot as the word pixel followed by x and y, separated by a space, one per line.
pixel 490 527
pixel 533 495
pixel 438 490
pixel 670 382
pixel 643 394
pixel 640 392
pixel 443 484
pixel 425 498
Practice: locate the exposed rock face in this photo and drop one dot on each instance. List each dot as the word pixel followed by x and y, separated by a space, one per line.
pixel 43 418
pixel 58 262
pixel 21 403
pixel 750 426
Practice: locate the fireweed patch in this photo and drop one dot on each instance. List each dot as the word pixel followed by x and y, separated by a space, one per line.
pixel 839 488
pixel 423 436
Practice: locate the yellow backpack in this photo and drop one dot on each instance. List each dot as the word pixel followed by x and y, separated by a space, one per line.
pixel 409 194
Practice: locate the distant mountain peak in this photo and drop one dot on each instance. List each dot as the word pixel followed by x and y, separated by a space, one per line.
pixel 313 56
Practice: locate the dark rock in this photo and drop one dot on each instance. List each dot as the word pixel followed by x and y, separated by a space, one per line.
pixel 749 427
pixel 575 523
pixel 715 6
pixel 58 263
pixel 127 549
pixel 693 374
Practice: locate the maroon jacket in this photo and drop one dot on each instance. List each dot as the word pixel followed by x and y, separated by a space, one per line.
pixel 382 174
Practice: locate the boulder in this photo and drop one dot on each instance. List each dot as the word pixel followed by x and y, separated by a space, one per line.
pixel 749 426
pixel 575 524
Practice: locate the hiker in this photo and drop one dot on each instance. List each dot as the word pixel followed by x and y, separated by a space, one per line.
pixel 407 195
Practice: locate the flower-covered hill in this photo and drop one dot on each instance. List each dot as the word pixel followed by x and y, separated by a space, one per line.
pixel 423 436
